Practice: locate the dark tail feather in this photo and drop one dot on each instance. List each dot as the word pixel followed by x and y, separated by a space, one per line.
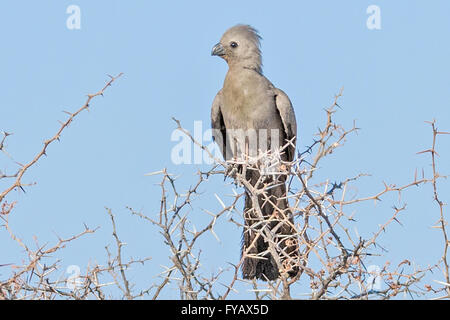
pixel 254 243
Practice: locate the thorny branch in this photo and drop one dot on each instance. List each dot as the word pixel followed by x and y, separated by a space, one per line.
pixel 333 260
pixel 24 168
pixel 442 223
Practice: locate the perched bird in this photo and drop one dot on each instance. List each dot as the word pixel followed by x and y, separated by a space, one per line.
pixel 250 117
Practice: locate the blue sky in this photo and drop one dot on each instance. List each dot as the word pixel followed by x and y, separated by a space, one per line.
pixel 394 79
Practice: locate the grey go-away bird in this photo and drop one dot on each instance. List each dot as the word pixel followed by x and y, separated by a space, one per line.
pixel 249 102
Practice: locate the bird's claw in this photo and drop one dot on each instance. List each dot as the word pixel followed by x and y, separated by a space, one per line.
pixel 231 171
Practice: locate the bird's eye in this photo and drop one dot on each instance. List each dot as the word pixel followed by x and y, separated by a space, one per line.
pixel 233 44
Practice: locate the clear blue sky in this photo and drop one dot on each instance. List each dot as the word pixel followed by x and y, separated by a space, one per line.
pixel 394 79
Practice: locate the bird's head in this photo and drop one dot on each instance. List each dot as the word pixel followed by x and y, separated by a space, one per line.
pixel 240 47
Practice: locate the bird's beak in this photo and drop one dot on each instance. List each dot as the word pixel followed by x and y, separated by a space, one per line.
pixel 218 50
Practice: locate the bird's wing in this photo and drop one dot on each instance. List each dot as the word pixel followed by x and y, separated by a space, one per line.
pixel 218 124
pixel 287 115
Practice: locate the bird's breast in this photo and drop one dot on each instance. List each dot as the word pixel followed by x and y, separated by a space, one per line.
pixel 248 101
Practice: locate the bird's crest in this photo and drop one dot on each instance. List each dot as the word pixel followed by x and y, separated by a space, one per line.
pixel 251 35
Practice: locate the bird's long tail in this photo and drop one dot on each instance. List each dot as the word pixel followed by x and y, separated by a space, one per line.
pixel 268 220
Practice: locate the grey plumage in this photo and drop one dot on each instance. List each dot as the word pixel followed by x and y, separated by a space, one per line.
pixel 249 102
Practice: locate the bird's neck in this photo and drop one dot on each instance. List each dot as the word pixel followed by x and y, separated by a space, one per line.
pixel 250 64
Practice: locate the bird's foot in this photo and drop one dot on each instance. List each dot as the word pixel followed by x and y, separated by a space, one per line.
pixel 231 170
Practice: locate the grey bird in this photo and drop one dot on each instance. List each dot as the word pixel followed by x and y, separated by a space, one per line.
pixel 249 102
